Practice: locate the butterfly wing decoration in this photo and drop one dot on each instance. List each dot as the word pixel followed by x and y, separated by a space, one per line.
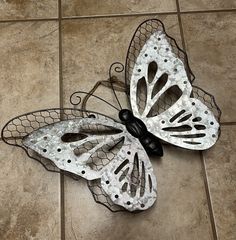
pixel 93 147
pixel 161 91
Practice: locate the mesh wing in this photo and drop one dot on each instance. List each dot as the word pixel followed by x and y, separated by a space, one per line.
pixel 21 126
pixel 129 180
pixel 81 146
pixel 140 37
pixel 89 145
pixel 162 95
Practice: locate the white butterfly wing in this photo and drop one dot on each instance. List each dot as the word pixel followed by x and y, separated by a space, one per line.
pixel 192 126
pixel 156 70
pixel 129 180
pixel 99 149
pixel 81 146
pixel 160 95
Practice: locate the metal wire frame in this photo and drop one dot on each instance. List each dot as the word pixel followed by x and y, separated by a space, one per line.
pixel 116 85
pixel 141 35
pixel 15 130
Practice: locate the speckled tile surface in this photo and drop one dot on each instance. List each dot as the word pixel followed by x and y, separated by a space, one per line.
pixel 193 5
pixel 108 7
pixel 90 46
pixel 211 43
pixel 221 173
pixel 181 210
pixel 29 197
pixel 29 68
pixel 22 9
pixel 34 71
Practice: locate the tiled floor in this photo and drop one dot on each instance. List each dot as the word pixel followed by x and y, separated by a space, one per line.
pixel 48 50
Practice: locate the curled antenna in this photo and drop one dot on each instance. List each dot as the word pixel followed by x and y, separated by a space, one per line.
pixel 75 98
pixel 112 82
pixel 118 67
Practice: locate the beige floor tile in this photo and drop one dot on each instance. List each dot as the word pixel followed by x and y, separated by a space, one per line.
pixel 191 5
pixel 211 42
pixel 29 198
pixel 93 7
pixel 90 46
pixel 20 9
pixel 221 172
pixel 181 211
pixel 29 67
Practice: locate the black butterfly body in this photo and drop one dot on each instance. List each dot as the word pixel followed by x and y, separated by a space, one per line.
pixel 139 130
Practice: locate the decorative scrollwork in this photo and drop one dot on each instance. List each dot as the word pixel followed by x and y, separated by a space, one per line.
pixel 75 99
pixel 117 67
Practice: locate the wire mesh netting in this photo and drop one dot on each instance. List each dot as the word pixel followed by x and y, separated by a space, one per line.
pixel 20 127
pixel 17 129
pixel 141 35
pixel 168 98
pixel 208 100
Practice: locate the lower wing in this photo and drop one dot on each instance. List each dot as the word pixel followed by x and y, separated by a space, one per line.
pixel 89 145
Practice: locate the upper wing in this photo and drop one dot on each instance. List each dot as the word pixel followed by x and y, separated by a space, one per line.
pixel 161 96
pixel 81 146
pixel 20 129
pixel 156 69
pixel 94 147
pixel 99 148
pixel 160 43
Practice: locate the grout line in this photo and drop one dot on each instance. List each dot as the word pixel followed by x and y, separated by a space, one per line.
pixel 62 206
pixel 180 26
pixel 117 15
pixel 28 20
pixel 208 195
pixel 209 203
pixel 208 11
pixel 147 14
pixel 62 190
pixel 60 61
pixel 227 123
